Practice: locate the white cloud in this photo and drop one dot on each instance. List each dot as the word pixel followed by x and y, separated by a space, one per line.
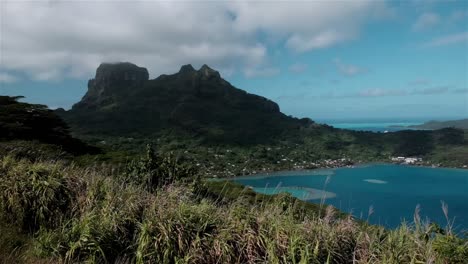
pixel 449 40
pixel 426 21
pixel 348 69
pixel 7 78
pixel 378 92
pixel 375 93
pixel 261 72
pixel 68 39
pixel 433 90
pixel 322 39
pixel 298 67
pixel 384 92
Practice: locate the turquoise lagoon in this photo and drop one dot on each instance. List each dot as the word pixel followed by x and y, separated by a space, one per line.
pixel 392 191
pixel 375 126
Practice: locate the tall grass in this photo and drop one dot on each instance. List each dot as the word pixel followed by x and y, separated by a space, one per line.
pixel 69 214
pixel 33 194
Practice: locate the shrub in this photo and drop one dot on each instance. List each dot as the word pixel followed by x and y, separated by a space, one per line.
pixel 33 194
pixel 452 249
pixel 102 231
pixel 154 171
pixel 98 219
pixel 178 233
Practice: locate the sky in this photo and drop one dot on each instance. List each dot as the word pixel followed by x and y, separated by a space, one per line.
pixel 327 60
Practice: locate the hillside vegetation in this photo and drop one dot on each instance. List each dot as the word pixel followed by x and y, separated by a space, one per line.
pixel 28 122
pixel 229 131
pixel 110 200
pixel 461 124
pixel 122 101
pixel 54 213
pixel 310 148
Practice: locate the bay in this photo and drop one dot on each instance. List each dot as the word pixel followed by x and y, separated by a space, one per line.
pixel 390 192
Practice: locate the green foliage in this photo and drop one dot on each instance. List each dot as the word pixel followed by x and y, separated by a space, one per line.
pixel 450 136
pixel 199 108
pixel 306 149
pixel 171 234
pixel 12 243
pixel 452 249
pixel 147 213
pixel 97 235
pixel 461 124
pixel 413 143
pixel 33 195
pixel 106 221
pixel 23 121
pixel 196 103
pixel 153 171
pixel 33 150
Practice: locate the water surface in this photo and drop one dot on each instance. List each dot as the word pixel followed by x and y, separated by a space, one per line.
pixel 375 126
pixel 393 191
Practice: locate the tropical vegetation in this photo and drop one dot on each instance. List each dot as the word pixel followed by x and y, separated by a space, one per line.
pixel 53 212
pixel 113 200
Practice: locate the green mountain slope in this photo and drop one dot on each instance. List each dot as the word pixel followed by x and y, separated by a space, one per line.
pixel 121 100
pixel 196 110
pixel 461 124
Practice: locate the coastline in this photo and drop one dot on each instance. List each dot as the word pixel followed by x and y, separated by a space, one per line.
pixel 307 194
pixel 327 170
pixel 299 171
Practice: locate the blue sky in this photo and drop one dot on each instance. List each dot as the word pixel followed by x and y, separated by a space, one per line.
pixel 321 59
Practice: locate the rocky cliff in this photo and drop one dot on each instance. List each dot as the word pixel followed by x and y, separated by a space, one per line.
pixel 112 80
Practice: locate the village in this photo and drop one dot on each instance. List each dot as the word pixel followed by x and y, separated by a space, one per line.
pixel 407 160
pixel 215 168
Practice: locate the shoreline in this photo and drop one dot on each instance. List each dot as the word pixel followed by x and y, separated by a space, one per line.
pixel 310 193
pixel 298 172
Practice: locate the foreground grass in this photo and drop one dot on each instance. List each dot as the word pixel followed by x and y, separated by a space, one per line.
pixel 52 213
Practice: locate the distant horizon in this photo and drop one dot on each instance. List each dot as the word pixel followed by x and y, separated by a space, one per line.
pixel 389 119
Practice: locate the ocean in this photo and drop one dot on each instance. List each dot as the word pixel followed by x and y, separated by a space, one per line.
pixel 383 194
pixel 374 125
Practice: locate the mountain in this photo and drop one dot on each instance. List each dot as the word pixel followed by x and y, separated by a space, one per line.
pixel 461 124
pixel 122 100
pixel 197 109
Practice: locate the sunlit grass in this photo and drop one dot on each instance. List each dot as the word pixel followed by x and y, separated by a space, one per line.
pixel 57 213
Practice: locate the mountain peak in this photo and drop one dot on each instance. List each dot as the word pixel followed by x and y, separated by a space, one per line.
pixel 206 71
pixel 124 70
pixel 193 101
pixel 186 68
pixel 205 67
pixel 111 79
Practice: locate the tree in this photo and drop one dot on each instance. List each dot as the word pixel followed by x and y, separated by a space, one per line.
pixel 24 121
pixel 154 171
